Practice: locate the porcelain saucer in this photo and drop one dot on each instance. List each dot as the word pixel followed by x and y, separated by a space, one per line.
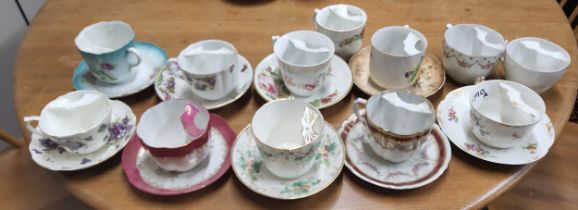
pixel 153 59
pixel 423 168
pixel 454 119
pixel 249 168
pixel 145 175
pixel 270 86
pixel 48 154
pixel 170 86
pixel 430 80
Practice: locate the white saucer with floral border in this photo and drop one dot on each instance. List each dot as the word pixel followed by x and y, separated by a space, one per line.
pixel 248 166
pixel 170 86
pixel 453 116
pixel 153 59
pixel 421 169
pixel 48 154
pixel 337 85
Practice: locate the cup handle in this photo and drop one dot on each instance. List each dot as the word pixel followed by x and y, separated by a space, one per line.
pixel 173 66
pixel 479 79
pixel 136 54
pixel 315 12
pixel 274 39
pixel 357 108
pixel 28 120
pixel 449 25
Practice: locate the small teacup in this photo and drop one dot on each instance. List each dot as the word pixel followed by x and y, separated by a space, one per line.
pixel 107 48
pixel 396 55
pixel 397 122
pixel 344 24
pixel 175 133
pixel 304 58
pixel 471 51
pixel 288 135
pixel 535 62
pixel 77 121
pixel 504 112
pixel 209 66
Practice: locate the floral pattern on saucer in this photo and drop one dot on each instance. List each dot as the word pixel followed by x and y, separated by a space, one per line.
pixel 48 154
pixel 249 168
pixel 337 84
pixel 169 85
pixel 453 116
pixel 423 168
pixel 153 60
pixel 430 77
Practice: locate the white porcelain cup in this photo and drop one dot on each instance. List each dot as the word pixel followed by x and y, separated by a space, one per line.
pixel 288 135
pixel 397 123
pixel 344 24
pixel 396 55
pixel 108 50
pixel 471 51
pixel 210 67
pixel 77 121
pixel 304 58
pixel 503 112
pixel 535 62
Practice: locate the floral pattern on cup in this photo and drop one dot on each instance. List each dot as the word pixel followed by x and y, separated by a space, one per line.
pixel 354 38
pixel 204 83
pixel 464 61
pixel 306 86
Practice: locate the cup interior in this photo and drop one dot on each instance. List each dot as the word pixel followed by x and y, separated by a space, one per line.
pixel 341 17
pixel 73 113
pixel 538 54
pixel 474 40
pixel 507 102
pixel 104 37
pixel 400 112
pixel 390 40
pixel 278 124
pixel 161 125
pixel 304 48
pixel 208 57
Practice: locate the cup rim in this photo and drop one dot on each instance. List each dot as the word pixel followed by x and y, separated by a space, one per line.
pixel 199 43
pixel 363 13
pixel 504 43
pixel 421 35
pixel 85 29
pixel 522 64
pixel 323 36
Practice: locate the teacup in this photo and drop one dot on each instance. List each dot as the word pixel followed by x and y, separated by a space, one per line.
pixel 304 58
pixel 471 51
pixel 210 67
pixel 504 112
pixel 396 55
pixel 77 121
pixel 288 135
pixel 397 122
pixel 175 133
pixel 107 48
pixel 344 24
pixel 535 62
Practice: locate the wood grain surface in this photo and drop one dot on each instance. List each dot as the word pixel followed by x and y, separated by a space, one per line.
pixel 48 56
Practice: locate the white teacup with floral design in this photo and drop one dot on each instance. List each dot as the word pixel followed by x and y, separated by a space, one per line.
pixel 288 135
pixel 209 66
pixel 471 51
pixel 78 121
pixel 396 55
pixel 304 58
pixel 344 24
pixel 397 123
pixel 504 112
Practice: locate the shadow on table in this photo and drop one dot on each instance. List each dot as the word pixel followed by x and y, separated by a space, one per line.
pixel 248 2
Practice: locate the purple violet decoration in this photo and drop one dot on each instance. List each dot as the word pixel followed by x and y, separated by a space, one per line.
pixel 48 145
pixel 85 161
pixel 120 129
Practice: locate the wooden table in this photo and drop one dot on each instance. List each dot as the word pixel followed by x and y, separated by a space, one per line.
pixel 48 56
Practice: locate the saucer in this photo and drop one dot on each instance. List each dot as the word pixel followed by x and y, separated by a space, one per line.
pixel 170 86
pixel 453 116
pixel 270 86
pixel 48 154
pixel 430 80
pixel 146 176
pixel 421 169
pixel 249 168
pixel 153 59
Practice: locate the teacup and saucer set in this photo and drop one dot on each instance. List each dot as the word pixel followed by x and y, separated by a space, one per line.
pixel 393 142
pixel 79 130
pixel 498 121
pixel 292 156
pixel 303 66
pixel 210 72
pixel 397 59
pixel 177 152
pixel 114 63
